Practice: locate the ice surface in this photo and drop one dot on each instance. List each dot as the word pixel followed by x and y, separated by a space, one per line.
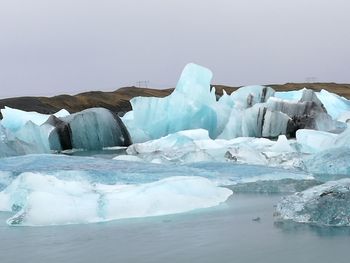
pixel 248 96
pixel 14 119
pixel 282 145
pixel 329 163
pixel 196 146
pixel 314 141
pixel 335 104
pixel 11 145
pixel 327 204
pixel 129 158
pixel 41 199
pixel 344 117
pixel 293 95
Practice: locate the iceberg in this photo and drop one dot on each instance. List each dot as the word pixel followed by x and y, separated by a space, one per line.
pixel 90 129
pixel 327 205
pixel 40 199
pixel 251 111
pixel 189 106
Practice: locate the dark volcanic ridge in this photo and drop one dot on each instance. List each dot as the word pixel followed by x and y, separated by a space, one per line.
pixel 119 101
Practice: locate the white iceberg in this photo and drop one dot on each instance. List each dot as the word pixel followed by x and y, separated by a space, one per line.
pixel 40 199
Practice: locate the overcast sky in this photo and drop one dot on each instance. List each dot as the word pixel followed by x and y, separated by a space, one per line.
pixel 50 47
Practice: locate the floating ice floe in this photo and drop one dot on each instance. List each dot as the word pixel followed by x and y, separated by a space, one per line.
pixel 41 199
pixel 327 204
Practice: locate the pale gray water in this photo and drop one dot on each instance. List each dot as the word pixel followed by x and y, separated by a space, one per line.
pixel 223 234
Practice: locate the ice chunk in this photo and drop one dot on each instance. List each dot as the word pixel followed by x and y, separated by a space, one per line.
pixel 180 141
pixel 282 145
pixel 90 129
pixel 315 141
pixel 41 199
pixel 327 205
pixel 246 154
pixel 334 103
pixel 14 119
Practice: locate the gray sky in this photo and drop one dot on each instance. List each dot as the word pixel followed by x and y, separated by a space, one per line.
pixel 50 47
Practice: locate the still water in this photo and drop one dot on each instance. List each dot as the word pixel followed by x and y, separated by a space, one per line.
pixel 226 233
